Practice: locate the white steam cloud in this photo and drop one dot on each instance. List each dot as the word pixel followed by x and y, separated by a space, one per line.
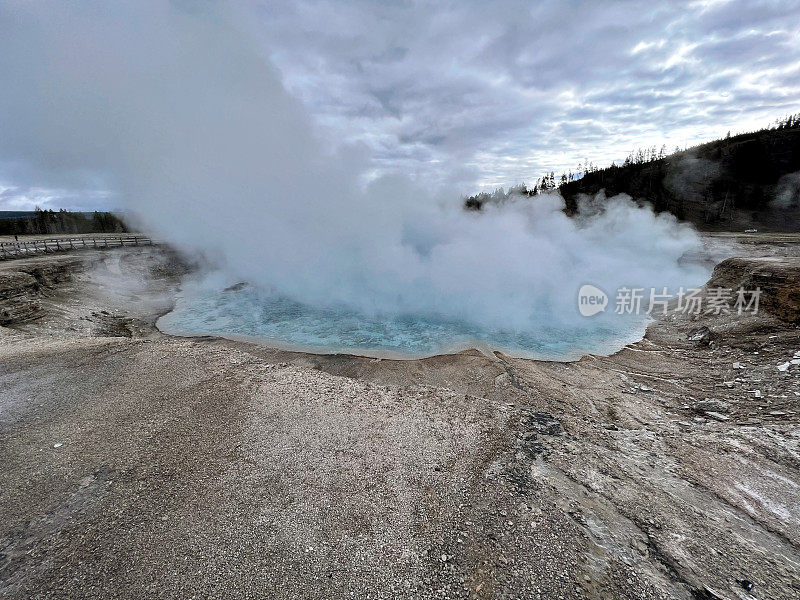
pixel 177 111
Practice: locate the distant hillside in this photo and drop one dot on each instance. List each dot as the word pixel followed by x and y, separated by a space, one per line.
pixel 63 221
pixel 746 181
pixel 16 214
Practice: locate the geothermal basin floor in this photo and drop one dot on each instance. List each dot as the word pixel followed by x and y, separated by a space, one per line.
pixel 140 464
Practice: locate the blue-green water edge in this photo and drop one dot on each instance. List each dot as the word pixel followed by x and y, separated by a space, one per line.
pixel 282 321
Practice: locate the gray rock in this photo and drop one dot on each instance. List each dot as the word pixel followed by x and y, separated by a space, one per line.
pixel 542 422
pixel 710 404
pixel 701 335
pixel 715 415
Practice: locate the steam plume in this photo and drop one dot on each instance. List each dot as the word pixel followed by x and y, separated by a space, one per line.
pixel 180 113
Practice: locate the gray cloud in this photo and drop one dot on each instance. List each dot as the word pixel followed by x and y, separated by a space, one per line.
pixel 485 93
pixel 533 88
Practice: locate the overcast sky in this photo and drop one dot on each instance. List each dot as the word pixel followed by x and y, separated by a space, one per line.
pixel 488 94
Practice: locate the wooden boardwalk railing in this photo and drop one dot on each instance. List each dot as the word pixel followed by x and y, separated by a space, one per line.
pixel 22 249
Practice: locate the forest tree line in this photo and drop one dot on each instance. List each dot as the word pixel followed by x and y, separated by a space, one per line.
pixel 707 184
pixel 62 221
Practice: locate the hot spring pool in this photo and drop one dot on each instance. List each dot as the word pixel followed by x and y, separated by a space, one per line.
pixel 242 312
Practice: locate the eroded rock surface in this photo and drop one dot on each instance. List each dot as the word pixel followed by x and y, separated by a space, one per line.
pixel 777 277
pixel 137 464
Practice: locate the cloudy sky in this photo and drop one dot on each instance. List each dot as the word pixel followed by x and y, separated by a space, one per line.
pixel 487 94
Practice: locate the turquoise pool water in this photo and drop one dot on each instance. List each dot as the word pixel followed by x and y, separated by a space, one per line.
pixel 243 312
